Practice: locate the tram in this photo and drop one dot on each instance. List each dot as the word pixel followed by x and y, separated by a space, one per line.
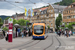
pixel 38 31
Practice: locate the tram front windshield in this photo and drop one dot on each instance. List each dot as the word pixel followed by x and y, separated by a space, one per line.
pixel 38 30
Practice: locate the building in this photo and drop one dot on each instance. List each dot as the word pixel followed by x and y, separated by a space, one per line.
pixel 47 15
pixel 69 13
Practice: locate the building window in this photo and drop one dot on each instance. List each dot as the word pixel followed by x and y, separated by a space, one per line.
pixel 67 11
pixel 74 16
pixel 51 10
pixel 45 15
pixel 37 17
pixel 74 11
pixel 68 17
pixel 47 20
pixel 41 12
pixel 35 13
pixel 51 24
pixel 45 11
pixel 51 15
pixel 51 19
pixel 41 16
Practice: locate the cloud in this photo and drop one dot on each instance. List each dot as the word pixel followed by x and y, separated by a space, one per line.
pixel 12 7
pixel 8 12
pixel 39 5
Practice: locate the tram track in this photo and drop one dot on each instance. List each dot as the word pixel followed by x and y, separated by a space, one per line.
pixel 50 44
pixel 22 44
pixel 25 45
pixel 59 43
pixel 30 45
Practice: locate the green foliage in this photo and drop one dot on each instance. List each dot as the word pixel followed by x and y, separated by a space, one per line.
pixel 60 17
pixel 14 21
pixel 5 28
pixel 3 17
pixel 48 27
pixel 73 0
pixel 65 2
pixel 1 22
pixel 58 21
pixel 7 18
pixel 22 22
pixel 27 21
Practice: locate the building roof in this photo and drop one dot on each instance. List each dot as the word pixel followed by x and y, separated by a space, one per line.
pixel 43 8
pixel 58 8
pixel 70 6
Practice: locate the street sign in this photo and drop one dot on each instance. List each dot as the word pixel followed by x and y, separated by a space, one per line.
pixel 10 21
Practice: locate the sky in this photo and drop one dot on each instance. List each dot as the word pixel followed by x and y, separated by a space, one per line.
pixel 10 7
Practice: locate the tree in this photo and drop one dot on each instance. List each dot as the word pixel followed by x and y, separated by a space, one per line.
pixel 7 18
pixel 73 0
pixel 22 22
pixel 65 2
pixel 48 27
pixel 58 21
pixel 5 28
pixel 1 22
pixel 14 21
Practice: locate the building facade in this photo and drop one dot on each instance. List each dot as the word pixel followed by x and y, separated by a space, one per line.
pixel 69 14
pixel 46 14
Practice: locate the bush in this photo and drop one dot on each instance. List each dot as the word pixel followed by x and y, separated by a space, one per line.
pixel 5 28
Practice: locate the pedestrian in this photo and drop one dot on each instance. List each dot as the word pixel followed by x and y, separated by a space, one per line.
pixel 29 32
pixel 6 36
pixel 59 33
pixel 3 33
pixel 70 33
pixel 25 33
pixel 22 34
pixel 65 32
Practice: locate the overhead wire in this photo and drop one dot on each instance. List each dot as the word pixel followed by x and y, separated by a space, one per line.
pixel 45 2
pixel 15 5
pixel 24 2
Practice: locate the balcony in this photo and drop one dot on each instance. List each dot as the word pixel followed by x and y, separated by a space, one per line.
pixel 69 20
pixel 66 20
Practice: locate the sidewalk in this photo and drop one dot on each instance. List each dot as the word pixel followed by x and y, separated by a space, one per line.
pixel 69 41
pixel 16 41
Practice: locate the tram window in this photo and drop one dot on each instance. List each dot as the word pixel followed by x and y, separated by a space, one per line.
pixel 38 29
